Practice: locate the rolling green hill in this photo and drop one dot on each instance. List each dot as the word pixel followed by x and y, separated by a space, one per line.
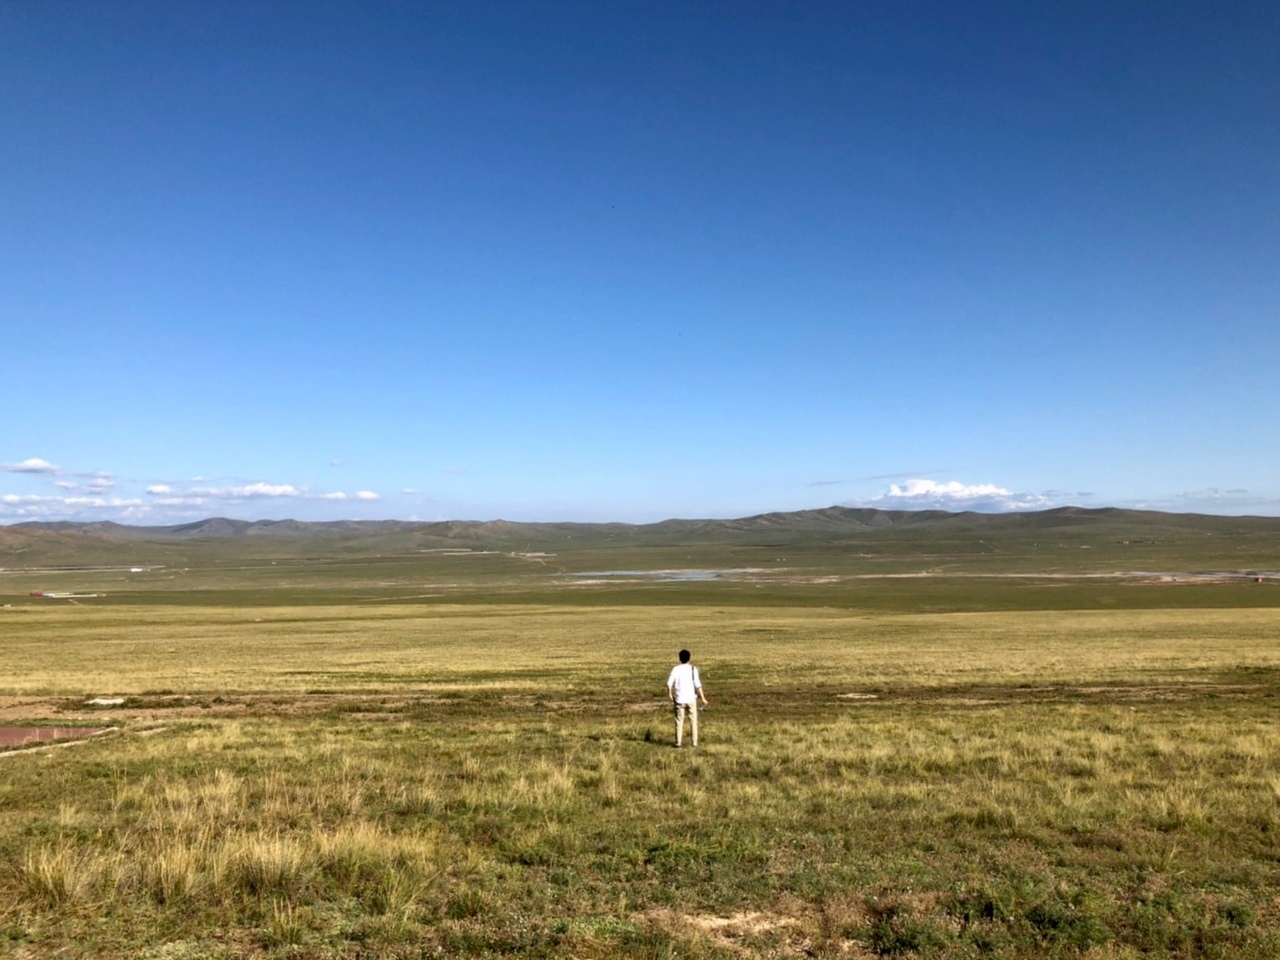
pixel 832 524
pixel 835 539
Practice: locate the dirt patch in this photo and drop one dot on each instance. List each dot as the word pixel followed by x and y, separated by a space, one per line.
pixel 20 708
pixel 747 923
pixel 741 933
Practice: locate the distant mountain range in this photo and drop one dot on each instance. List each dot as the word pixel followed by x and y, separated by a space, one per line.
pixel 67 542
pixel 826 521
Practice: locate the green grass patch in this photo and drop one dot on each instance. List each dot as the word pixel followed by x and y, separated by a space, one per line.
pixel 408 780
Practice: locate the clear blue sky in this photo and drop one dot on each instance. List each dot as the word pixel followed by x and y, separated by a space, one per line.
pixel 632 260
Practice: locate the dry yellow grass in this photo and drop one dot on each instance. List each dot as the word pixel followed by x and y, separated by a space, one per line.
pixel 68 651
pixel 497 780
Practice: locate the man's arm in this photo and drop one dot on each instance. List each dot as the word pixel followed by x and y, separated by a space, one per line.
pixel 697 686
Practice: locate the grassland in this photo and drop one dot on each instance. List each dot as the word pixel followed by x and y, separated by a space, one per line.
pixel 406 756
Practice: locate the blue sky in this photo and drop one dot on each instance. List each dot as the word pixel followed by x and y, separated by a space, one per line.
pixel 635 260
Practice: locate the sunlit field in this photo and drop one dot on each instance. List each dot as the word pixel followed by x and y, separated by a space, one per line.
pixel 486 780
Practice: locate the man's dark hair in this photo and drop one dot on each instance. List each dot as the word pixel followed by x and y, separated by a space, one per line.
pixel 684 656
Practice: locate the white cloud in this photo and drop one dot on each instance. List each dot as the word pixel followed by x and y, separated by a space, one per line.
pixel 32 465
pixel 13 499
pixel 272 491
pixel 35 507
pixel 953 490
pixel 359 495
pixel 86 497
pixel 922 494
pixel 96 482
pixel 98 502
pixel 1233 502
pixel 252 491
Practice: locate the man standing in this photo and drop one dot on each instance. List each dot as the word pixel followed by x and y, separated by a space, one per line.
pixel 684 687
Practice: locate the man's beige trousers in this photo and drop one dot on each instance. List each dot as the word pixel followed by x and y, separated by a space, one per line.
pixel 681 710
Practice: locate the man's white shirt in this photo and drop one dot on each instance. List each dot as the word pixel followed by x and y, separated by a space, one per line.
pixel 684 678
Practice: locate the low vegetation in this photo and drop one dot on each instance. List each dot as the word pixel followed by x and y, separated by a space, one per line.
pixel 488 781
pixel 317 771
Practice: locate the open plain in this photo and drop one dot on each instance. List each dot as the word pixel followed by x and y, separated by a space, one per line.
pixel 935 735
